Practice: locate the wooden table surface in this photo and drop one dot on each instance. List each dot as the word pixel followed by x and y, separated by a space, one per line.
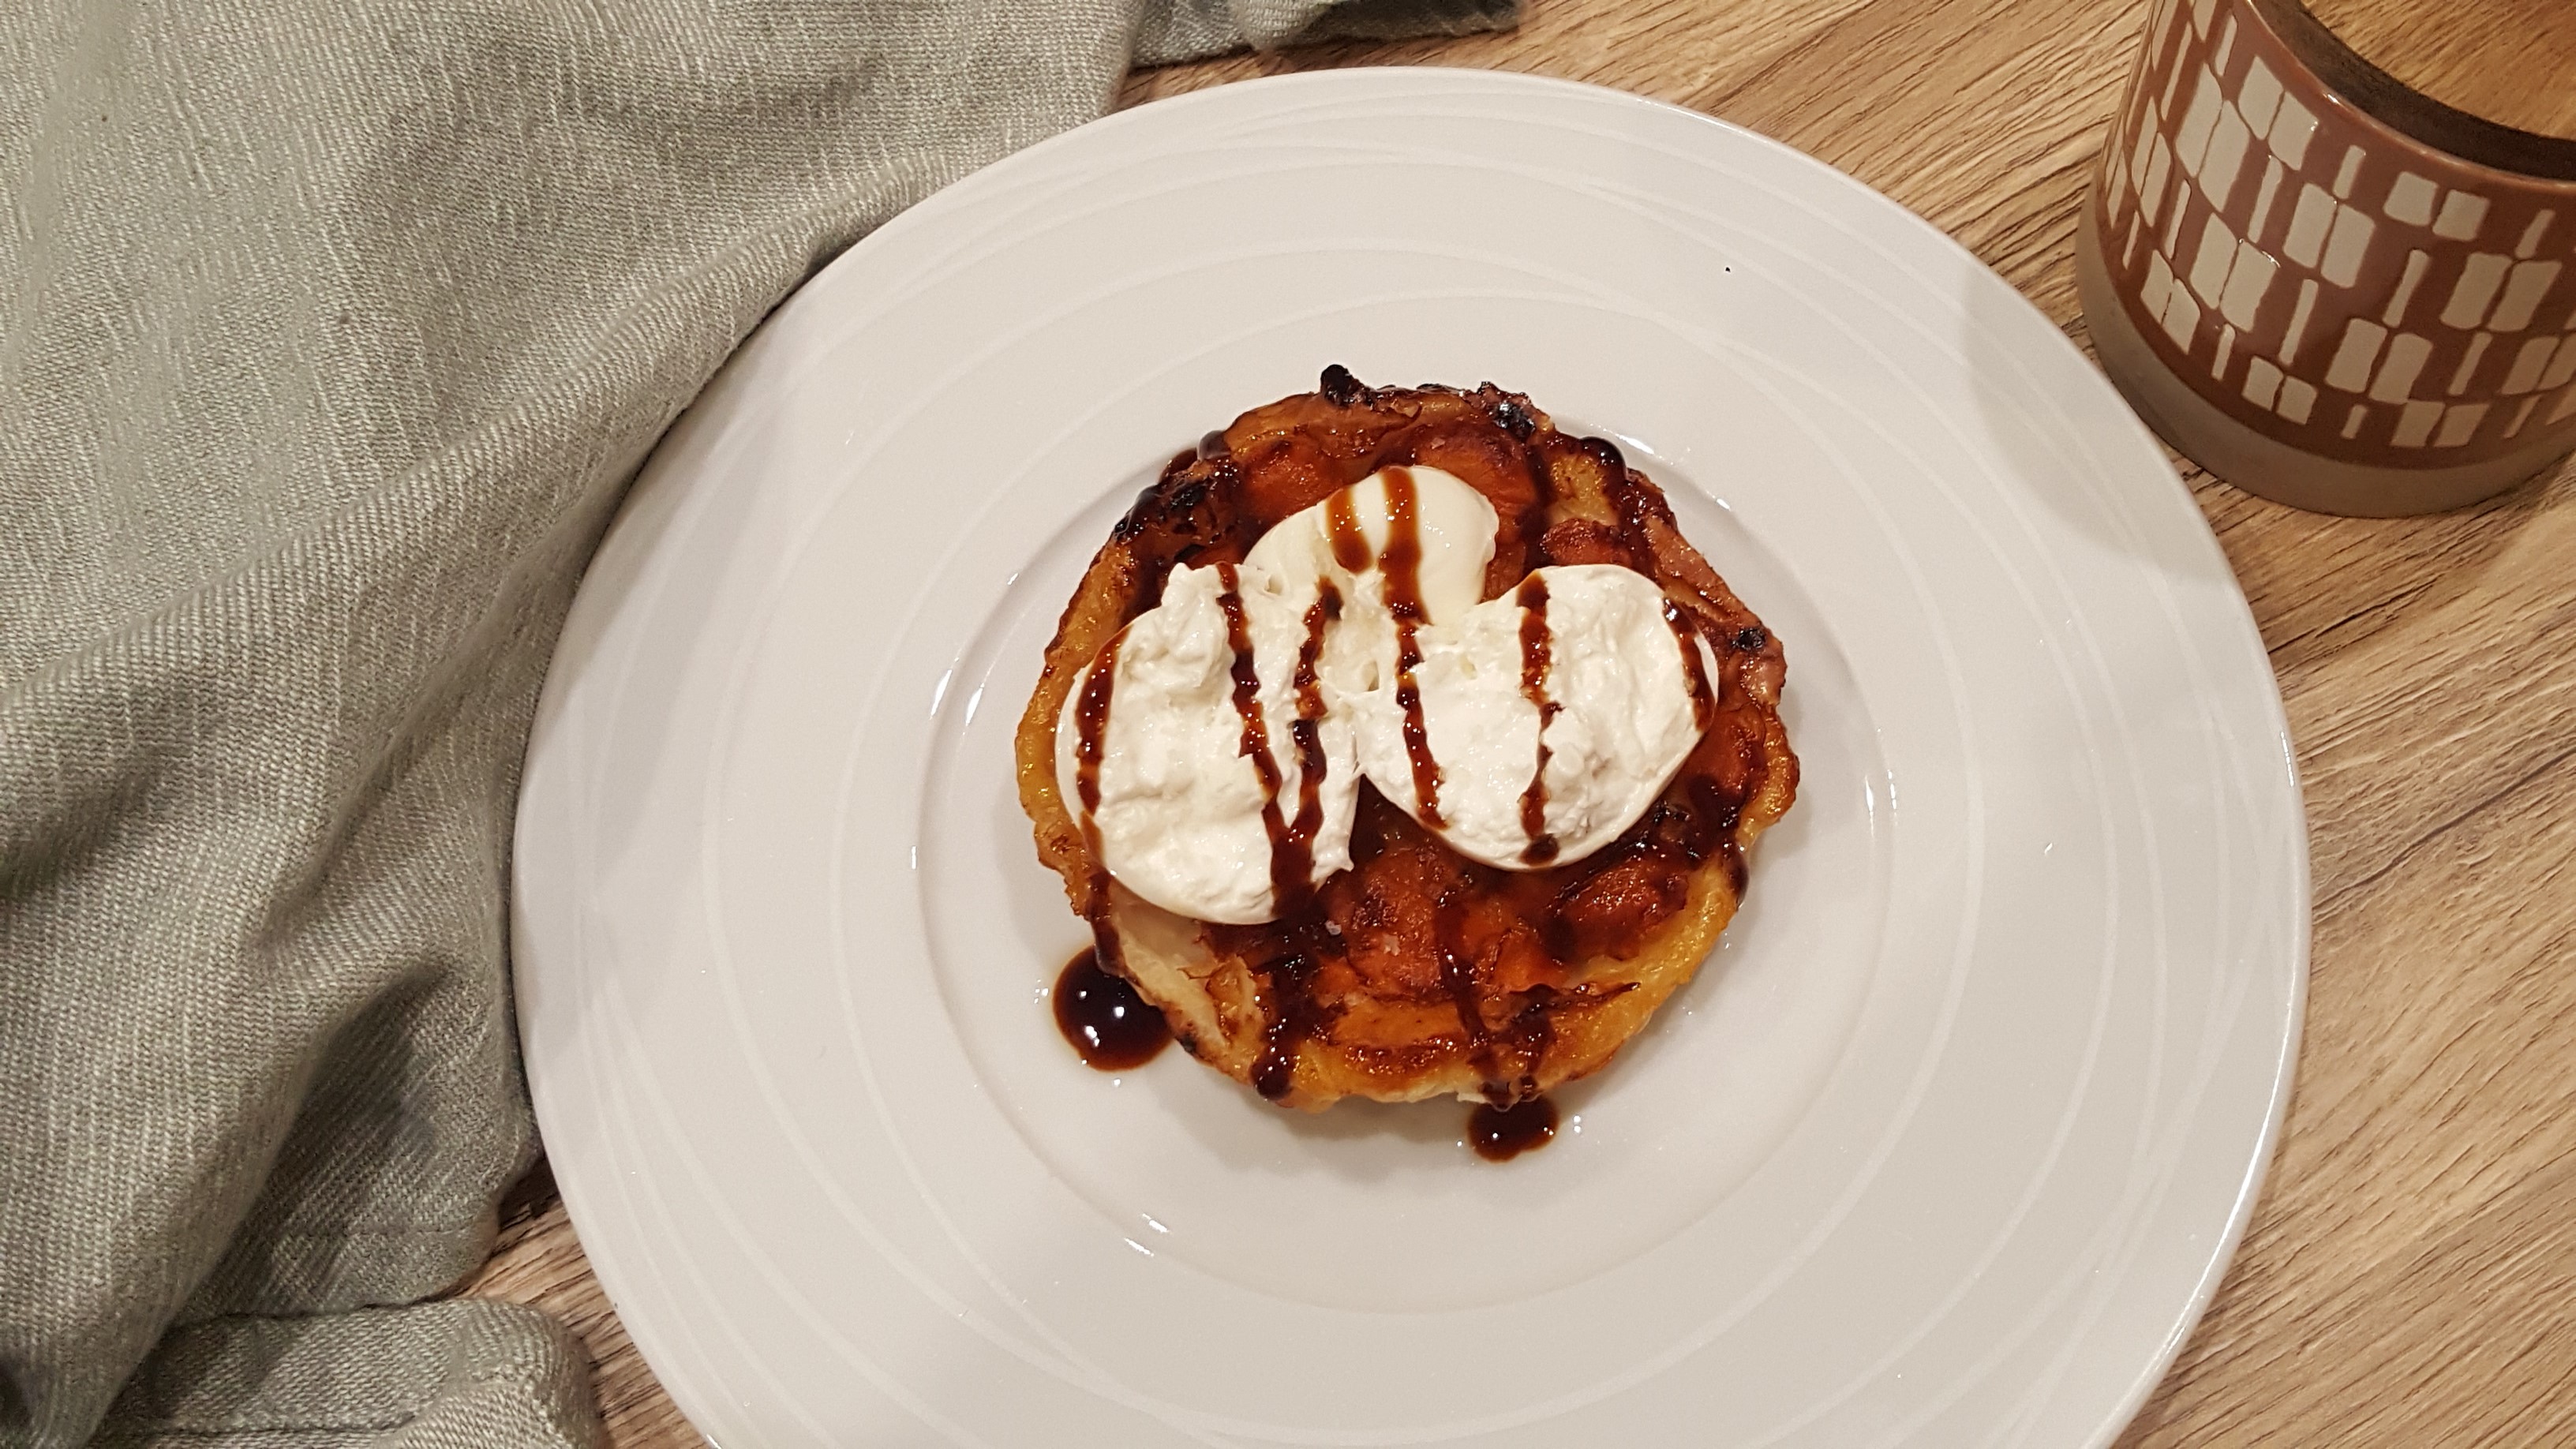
pixel 2410 1274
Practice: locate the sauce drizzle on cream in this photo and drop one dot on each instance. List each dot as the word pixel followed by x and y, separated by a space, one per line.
pixel 1534 663
pixel 1401 562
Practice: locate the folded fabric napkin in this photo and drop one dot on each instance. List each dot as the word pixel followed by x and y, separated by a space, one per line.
pixel 330 333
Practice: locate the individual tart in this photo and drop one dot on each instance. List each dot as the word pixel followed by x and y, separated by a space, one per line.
pixel 1418 971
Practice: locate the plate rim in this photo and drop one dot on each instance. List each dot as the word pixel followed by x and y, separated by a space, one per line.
pixel 1394 82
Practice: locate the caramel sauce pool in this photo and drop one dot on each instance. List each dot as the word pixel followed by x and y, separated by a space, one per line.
pixel 1112 1027
pixel 1500 1134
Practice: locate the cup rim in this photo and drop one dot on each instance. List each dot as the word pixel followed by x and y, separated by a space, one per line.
pixel 2409 113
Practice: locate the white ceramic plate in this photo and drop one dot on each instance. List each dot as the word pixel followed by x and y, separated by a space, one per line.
pixel 1948 1144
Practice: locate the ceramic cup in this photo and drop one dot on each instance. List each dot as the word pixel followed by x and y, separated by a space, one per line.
pixel 2326 288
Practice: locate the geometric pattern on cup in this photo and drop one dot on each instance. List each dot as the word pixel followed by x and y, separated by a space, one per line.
pixel 2321 278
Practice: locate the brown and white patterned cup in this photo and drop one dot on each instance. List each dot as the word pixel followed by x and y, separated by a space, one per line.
pixel 2324 287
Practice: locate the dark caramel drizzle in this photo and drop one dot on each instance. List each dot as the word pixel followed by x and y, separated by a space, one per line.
pixel 1535 640
pixel 1290 860
pixel 1342 530
pixel 1109 1025
pixel 1293 1013
pixel 1401 562
pixel 1288 984
pixel 1694 668
pixel 1305 734
pixel 1091 726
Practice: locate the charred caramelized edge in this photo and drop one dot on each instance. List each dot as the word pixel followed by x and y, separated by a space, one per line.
pixel 1338 386
pixel 1203 511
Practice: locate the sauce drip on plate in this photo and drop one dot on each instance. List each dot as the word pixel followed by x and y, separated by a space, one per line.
pixel 1500 1134
pixel 1113 1028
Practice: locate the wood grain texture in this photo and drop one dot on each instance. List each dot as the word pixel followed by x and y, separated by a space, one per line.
pixel 2410 1275
pixel 2485 67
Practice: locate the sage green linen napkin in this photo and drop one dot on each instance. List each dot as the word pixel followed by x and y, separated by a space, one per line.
pixel 331 332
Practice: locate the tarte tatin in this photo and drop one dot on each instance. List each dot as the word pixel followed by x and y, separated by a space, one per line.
pixel 1418 972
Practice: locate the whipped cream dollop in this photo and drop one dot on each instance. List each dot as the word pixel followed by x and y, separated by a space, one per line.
pixel 1213 752
pixel 1447 526
pixel 1219 760
pixel 1554 716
